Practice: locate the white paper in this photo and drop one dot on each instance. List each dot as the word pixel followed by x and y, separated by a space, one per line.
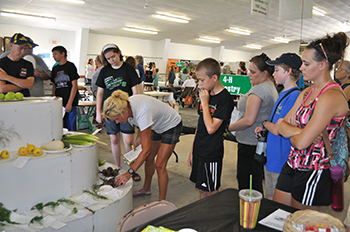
pixel 48 220
pixel 275 220
pixel 87 199
pixel 62 210
pixel 113 194
pixel 58 224
pixel 32 213
pixel 79 214
pixel 20 162
pixel 19 218
pixel 133 154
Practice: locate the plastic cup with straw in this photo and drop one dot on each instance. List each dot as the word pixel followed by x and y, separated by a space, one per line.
pixel 249 205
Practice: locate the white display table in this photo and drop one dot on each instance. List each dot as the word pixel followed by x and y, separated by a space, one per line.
pixel 52 176
pixel 55 176
pixel 34 120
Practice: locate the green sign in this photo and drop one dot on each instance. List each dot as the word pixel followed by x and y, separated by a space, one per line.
pixel 236 84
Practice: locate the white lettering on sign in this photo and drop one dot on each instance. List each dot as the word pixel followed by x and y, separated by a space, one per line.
pixel 233 89
pixel 228 79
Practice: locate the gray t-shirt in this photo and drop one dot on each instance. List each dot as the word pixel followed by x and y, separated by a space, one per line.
pixel 148 111
pixel 38 89
pixel 267 92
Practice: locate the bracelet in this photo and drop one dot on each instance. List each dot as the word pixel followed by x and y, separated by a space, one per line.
pixel 263 123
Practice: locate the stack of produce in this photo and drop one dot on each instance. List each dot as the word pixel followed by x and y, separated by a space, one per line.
pixel 80 139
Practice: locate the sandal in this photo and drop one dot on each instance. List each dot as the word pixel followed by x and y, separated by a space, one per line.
pixel 136 177
pixel 141 192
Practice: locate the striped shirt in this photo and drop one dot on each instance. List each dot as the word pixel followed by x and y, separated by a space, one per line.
pixel 313 157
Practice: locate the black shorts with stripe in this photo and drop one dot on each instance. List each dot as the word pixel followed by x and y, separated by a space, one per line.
pixel 206 175
pixel 312 188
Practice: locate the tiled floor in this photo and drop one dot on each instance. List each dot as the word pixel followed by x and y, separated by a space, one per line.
pixel 180 190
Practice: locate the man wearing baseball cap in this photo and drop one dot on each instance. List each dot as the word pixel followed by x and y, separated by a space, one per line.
pixel 16 74
pixel 41 71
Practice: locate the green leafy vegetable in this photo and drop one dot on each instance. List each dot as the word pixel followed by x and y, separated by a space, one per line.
pixel 38 207
pixel 52 204
pixel 67 201
pixel 5 215
pixel 36 219
pixel 95 194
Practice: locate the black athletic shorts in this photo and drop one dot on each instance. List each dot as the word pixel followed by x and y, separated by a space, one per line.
pixel 206 175
pixel 312 188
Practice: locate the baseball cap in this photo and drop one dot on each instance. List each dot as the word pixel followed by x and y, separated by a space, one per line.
pixel 19 39
pixel 290 59
pixel 31 42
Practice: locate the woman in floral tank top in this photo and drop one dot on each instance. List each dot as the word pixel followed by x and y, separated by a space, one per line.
pixel 304 181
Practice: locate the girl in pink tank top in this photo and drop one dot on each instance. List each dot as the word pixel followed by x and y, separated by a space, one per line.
pixel 304 181
pixel 315 156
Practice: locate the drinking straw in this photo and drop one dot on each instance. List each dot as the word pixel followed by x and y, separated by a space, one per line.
pixel 250 186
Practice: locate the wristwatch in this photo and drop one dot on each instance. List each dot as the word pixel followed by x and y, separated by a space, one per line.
pixel 131 171
pixel 263 123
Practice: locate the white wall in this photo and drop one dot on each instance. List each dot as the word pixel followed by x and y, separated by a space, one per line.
pixel 275 52
pixel 234 56
pixel 188 52
pixel 128 46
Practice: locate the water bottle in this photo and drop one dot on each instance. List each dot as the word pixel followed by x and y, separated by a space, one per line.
pixel 157 89
pixel 260 152
pixel 337 188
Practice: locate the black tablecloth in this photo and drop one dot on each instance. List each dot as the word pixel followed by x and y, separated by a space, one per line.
pixel 219 212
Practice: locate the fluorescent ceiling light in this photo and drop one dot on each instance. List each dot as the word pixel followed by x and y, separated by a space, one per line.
pixel 141 30
pixel 280 40
pixel 75 1
pixel 318 12
pixel 171 18
pixel 210 40
pixel 26 16
pixel 239 31
pixel 253 46
pixel 347 22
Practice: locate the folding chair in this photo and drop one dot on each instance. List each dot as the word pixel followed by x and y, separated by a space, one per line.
pixel 144 214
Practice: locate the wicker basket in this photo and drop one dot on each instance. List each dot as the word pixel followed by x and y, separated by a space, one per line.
pixel 297 221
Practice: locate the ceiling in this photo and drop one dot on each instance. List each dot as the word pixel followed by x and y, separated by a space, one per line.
pixel 208 18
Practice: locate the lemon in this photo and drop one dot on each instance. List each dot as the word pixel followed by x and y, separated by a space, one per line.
pixel 38 151
pixel 23 151
pixel 30 148
pixel 5 154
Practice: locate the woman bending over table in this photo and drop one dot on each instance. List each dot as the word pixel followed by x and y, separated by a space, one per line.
pixel 160 127
pixel 305 180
